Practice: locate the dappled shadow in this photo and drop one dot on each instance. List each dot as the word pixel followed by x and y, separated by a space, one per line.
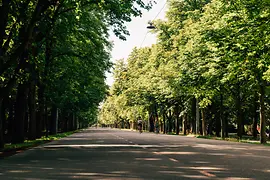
pixel 103 154
pixel 119 162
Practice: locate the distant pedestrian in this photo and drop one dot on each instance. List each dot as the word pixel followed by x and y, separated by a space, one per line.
pixel 140 124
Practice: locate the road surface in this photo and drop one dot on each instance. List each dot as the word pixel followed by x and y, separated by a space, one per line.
pixel 115 154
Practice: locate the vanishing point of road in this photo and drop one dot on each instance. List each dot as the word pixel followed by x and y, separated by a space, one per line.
pixel 115 154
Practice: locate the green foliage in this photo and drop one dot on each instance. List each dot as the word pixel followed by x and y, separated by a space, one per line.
pixel 215 51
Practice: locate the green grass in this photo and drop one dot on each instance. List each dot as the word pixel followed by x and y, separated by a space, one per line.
pixel 32 143
pixel 245 139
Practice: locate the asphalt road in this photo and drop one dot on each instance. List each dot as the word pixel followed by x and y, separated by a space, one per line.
pixel 115 154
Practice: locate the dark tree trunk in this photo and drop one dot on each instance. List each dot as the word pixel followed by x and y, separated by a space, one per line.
pixel 46 120
pixel 10 121
pixel 255 117
pixel 170 121
pixel 151 121
pixel 20 109
pixel 164 123
pixel 177 123
pixel 262 115
pixel 184 124
pixel 217 120
pixel 203 122
pixel 197 117
pixel 32 111
pixel 221 116
pixel 239 114
pixel 226 125
pixel 193 117
pixel 26 120
pixel 41 109
pixel 1 125
pixel 54 120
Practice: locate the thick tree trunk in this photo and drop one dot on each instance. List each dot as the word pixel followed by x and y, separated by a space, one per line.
pixel 255 118
pixel 151 121
pixel 239 115
pixel 41 109
pixel 203 122
pixel 262 115
pixel 26 120
pixel 32 111
pixel 54 120
pixel 20 109
pixel 1 124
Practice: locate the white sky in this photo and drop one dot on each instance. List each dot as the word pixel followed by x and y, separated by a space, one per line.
pixel 137 29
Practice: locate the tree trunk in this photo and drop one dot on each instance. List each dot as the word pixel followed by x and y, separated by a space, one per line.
pixel 239 114
pixel 151 121
pixel 32 111
pixel 184 125
pixel 1 124
pixel 203 122
pixel 26 120
pixel 262 115
pixel 164 123
pixel 19 120
pixel 221 116
pixel 226 125
pixel 177 113
pixel 170 121
pixel 192 120
pixel 255 118
pixel 41 109
pixel 217 120
pixel 54 120
pixel 197 117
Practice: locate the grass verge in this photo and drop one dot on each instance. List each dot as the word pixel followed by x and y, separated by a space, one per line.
pixel 11 149
pixel 245 139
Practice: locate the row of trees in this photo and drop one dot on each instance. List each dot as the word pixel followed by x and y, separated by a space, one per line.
pixel 53 59
pixel 208 73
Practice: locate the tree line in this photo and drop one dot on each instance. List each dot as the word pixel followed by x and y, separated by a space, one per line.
pixel 207 74
pixel 53 59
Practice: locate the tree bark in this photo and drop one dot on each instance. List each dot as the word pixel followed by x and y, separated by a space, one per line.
pixel 54 120
pixel 221 116
pixel 1 125
pixel 151 121
pixel 203 122
pixel 184 125
pixel 255 117
pixel 32 110
pixel 20 109
pixel 177 113
pixel 239 114
pixel 197 117
pixel 217 120
pixel 41 108
pixel 164 123
pixel 262 115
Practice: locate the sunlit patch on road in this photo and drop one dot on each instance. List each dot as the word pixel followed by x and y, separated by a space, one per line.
pixel 148 159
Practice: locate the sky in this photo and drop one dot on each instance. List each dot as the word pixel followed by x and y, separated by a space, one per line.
pixel 138 34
